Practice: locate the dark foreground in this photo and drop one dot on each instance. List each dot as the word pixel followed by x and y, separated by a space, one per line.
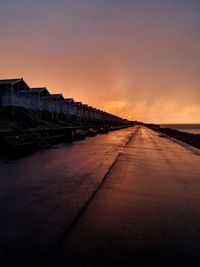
pixel 40 195
pixel 145 213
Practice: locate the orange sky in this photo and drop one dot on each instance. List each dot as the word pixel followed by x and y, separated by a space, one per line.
pixel 137 60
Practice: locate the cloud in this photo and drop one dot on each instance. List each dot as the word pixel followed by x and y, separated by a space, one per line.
pixel 132 58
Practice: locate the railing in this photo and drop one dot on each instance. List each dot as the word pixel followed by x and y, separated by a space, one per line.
pixel 49 105
pixel 13 100
pixel 6 100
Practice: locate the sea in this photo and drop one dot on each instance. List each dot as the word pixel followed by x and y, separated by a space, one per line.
pixel 190 128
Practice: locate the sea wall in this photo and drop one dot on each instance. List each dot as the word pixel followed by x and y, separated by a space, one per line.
pixel 189 138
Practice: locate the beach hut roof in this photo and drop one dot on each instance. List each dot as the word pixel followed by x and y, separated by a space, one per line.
pixel 10 81
pixel 85 105
pixel 38 89
pixel 78 103
pixel 69 100
pixel 57 96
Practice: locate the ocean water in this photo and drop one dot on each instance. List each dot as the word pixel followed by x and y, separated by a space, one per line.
pixel 190 128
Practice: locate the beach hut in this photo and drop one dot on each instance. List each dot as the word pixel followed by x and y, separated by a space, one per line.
pixel 11 93
pixel 86 112
pixel 78 110
pixel 56 103
pixel 38 97
pixel 93 114
pixel 70 110
pixel 98 115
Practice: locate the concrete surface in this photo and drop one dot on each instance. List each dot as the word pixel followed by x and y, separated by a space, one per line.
pixel 40 195
pixel 146 213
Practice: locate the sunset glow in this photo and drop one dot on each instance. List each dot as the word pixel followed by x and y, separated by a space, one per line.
pixel 136 59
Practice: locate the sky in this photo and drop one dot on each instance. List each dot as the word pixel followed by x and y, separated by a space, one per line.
pixel 139 59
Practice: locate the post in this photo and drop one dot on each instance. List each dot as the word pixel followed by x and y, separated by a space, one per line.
pixel 68 135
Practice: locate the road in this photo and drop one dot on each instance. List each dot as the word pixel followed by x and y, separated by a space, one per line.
pixel 146 213
pixel 40 195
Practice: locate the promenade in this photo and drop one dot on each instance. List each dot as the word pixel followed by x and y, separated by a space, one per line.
pixel 41 194
pixel 147 212
pixel 126 198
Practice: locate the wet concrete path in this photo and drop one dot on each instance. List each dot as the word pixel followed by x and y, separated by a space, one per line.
pixel 40 195
pixel 146 213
